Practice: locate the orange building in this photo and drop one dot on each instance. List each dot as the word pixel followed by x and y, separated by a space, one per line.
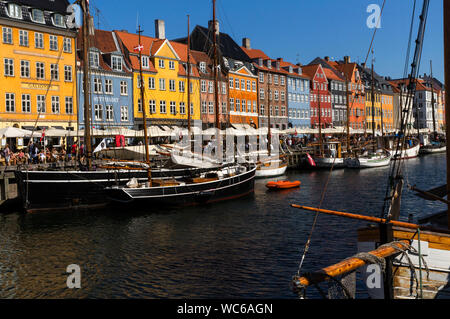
pixel 242 94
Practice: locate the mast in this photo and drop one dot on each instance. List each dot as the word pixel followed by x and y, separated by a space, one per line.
pixel 215 66
pixel 373 109
pixel 144 113
pixel 269 110
pixel 348 113
pixel 86 84
pixel 381 111
pixel 189 79
pixel 320 120
pixel 447 92
pixel 433 101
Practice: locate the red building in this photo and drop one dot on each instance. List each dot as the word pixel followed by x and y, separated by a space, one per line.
pixel 320 97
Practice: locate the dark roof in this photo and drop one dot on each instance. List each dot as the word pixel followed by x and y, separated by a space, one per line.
pixel 59 6
pixel 202 40
pixel 380 82
pixel 48 6
pixel 332 73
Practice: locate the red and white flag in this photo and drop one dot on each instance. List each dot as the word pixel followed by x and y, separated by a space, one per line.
pixel 139 48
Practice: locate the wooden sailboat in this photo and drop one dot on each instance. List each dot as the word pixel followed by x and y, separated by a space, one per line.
pixel 221 183
pixel 435 145
pixel 374 157
pixel 414 259
pixel 273 165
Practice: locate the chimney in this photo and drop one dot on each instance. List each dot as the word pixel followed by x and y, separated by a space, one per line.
pixel 279 63
pixel 210 26
pixel 346 59
pixel 160 29
pixel 327 58
pixel 246 43
pixel 299 64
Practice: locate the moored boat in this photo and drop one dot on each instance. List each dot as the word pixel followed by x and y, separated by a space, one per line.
pixel 283 184
pixel 369 161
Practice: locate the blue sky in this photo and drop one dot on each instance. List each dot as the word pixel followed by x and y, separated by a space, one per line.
pixel 296 30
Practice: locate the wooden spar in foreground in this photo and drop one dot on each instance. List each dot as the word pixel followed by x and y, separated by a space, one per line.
pixel 346 266
pixel 359 217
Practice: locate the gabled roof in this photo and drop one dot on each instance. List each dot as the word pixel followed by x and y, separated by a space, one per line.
pixel 286 65
pixel 105 43
pixel 202 40
pixel 59 6
pixel 330 71
pixel 311 70
pixel 131 41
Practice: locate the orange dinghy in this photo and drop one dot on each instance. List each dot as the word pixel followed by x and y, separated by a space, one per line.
pixel 283 185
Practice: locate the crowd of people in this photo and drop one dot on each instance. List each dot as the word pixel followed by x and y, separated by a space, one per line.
pixel 35 153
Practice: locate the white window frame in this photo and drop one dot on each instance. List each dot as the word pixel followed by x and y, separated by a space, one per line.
pixel 25 69
pixel 55 105
pixel 124 88
pixel 26 103
pixel 40 103
pixel 8 67
pixel 7 35
pixel 69 104
pixel 24 38
pixel 109 87
pixel 68 74
pixel 10 102
pixel 124 113
pixel 109 113
pixel 53 41
pixel 67 45
pixel 38 40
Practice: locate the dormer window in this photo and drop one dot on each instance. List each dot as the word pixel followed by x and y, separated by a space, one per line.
pixel 278 65
pixel 58 20
pixel 116 63
pixel 269 64
pixel 94 59
pixel 37 16
pixel 300 71
pixel 291 69
pixel 145 62
pixel 203 67
pixel 14 11
pixel 260 62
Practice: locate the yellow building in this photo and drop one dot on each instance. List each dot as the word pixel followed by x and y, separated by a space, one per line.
pixel 38 73
pixel 383 104
pixel 164 68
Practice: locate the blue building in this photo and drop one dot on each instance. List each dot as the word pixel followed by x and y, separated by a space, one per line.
pixel 111 87
pixel 299 116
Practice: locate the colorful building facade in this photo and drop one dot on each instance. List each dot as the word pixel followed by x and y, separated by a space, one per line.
pixel 37 54
pixel 164 68
pixel 111 84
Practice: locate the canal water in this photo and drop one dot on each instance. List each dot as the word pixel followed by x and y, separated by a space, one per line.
pixel 247 248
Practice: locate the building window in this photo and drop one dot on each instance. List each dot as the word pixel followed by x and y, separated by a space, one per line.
pixel 204 110
pixel 40 103
pixel 210 87
pixel 26 103
pixel 58 20
pixel 124 113
pixel 282 80
pixel 67 45
pixel 162 107
pixel 249 106
pixel 9 67
pixel 255 107
pixel 249 86
pixel 203 86
pixel 145 62
pixel 151 83
pixel 275 79
pixel 53 43
pixel 116 63
pixel 254 86
pixel 37 16
pixel 38 40
pixel 238 105
pixel 139 105
pixel 55 104
pixel 224 107
pixel 236 84
pixel 261 94
pixel 211 107
pixel 283 96
pixel 10 102
pixel 182 108
pixel 109 113
pixel 231 83
pixel 173 108
pixel 24 69
pixel 243 85
pixel 123 88
pixel 181 86
pixel 7 35
pixel 162 84
pixel 94 59
pixel 68 73
pixel 23 38
pixel 261 77
pixel 14 11
pixel 224 88
pixel 69 105
pixel 152 106
pixel 231 104
pixel 40 70
pixel 161 64
pixel 97 85
pixel 171 65
pixel 172 85
pixel 98 112
pixel 203 67
pixel 262 110
pixel 276 95
pixel 108 86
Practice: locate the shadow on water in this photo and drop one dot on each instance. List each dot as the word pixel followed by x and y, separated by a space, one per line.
pixel 246 248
